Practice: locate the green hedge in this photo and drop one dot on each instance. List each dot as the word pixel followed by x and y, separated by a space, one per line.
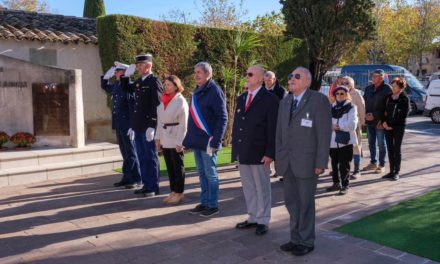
pixel 176 48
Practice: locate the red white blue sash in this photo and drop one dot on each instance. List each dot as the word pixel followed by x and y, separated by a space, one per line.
pixel 198 118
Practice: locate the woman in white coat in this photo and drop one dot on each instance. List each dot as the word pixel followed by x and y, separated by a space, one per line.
pixel 172 118
pixel 345 120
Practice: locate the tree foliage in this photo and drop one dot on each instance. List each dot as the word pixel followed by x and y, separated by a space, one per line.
pixel 39 6
pixel 330 28
pixel 270 23
pixel 94 8
pixel 222 14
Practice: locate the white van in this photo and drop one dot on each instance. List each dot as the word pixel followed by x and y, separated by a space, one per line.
pixel 432 104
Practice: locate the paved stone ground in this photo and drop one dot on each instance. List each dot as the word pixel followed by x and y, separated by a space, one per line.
pixel 84 220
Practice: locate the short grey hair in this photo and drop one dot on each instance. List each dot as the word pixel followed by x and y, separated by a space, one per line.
pixel 259 68
pixel 206 67
pixel 270 74
pixel 350 81
pixel 306 71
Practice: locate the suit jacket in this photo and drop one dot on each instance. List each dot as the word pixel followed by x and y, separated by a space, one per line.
pixel 253 132
pixel 147 96
pixel 121 110
pixel 300 147
pixel 278 90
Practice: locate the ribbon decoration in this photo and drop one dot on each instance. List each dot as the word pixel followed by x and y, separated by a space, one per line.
pixel 200 121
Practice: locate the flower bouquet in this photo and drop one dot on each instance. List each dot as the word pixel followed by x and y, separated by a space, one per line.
pixel 3 139
pixel 23 140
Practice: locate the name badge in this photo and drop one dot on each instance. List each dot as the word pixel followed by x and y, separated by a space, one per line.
pixel 306 122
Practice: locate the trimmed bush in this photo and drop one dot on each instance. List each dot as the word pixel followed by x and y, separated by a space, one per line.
pixel 94 8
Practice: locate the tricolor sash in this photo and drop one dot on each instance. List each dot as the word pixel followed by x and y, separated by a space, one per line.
pixel 200 121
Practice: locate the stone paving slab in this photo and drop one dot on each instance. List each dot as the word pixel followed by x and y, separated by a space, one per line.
pixel 85 220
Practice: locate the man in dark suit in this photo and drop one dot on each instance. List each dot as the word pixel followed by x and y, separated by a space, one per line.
pixel 147 92
pixel 121 114
pixel 303 135
pixel 253 146
pixel 272 85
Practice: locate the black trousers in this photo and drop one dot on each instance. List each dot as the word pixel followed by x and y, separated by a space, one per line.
pixel 175 168
pixel 394 139
pixel 341 158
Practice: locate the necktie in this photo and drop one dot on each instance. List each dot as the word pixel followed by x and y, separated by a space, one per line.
pixel 248 102
pixel 293 107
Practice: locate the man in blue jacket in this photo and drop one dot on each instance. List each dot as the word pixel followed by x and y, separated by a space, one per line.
pixel 253 146
pixel 206 127
pixel 121 114
pixel 147 92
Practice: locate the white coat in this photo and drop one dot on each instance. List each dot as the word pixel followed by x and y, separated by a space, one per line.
pixel 176 112
pixel 348 123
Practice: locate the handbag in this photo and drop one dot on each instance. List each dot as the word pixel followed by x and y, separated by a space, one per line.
pixel 342 137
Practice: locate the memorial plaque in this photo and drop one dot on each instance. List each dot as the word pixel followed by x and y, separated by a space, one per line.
pixel 51 109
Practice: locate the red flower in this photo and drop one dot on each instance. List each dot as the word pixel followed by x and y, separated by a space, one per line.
pixel 23 139
pixel 3 138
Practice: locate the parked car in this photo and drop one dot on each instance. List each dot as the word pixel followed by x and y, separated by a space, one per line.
pixel 432 106
pixel 361 75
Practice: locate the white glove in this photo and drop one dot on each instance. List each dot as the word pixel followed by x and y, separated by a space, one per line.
pixel 130 134
pixel 130 70
pixel 149 134
pixel 109 73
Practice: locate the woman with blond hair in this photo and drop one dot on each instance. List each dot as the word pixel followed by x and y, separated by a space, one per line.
pixel 358 101
pixel 172 116
pixel 344 119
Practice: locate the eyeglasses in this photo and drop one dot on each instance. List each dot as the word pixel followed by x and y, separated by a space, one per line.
pixel 340 93
pixel 345 83
pixel 296 76
pixel 249 74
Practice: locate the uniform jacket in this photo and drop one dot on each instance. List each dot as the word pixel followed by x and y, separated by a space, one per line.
pixel 146 97
pixel 299 147
pixel 176 112
pixel 212 105
pixel 253 132
pixel 397 110
pixel 348 123
pixel 375 101
pixel 121 110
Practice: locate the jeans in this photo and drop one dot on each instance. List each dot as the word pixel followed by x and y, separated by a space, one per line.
pixel 207 169
pixel 148 162
pixel 394 143
pixel 379 135
pixel 130 163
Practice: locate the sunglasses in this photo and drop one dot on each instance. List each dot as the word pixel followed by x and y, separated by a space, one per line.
pixel 340 93
pixel 296 76
pixel 249 74
pixel 345 83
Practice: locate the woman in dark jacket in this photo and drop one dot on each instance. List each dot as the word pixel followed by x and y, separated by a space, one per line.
pixel 394 122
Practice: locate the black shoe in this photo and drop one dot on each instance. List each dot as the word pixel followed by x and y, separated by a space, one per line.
pixel 198 209
pixel 149 194
pixel 356 174
pixel 344 190
pixel 245 225
pixel 119 184
pixel 132 185
pixel 334 187
pixel 396 176
pixel 301 250
pixel 208 212
pixel 288 247
pixel 389 175
pixel 140 191
pixel 261 229
pixel 281 178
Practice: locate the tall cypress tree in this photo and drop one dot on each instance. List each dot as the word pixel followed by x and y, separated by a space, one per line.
pixel 94 8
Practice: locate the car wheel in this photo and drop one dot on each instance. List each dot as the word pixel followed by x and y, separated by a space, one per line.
pixel 412 108
pixel 435 115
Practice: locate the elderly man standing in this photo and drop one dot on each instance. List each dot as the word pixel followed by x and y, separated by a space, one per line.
pixel 147 95
pixel 272 85
pixel 121 113
pixel 303 134
pixel 253 146
pixel 206 128
pixel 375 97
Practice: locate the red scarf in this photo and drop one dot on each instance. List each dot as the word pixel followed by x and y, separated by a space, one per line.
pixel 166 99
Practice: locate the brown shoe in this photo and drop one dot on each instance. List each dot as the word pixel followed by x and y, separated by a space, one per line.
pixel 169 197
pixel 177 198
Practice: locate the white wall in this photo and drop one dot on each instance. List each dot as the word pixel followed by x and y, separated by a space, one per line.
pixel 74 56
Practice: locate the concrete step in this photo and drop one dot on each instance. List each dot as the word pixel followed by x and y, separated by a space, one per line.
pixel 43 156
pixel 31 174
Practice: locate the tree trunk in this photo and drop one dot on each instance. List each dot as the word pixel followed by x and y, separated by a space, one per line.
pixel 315 70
